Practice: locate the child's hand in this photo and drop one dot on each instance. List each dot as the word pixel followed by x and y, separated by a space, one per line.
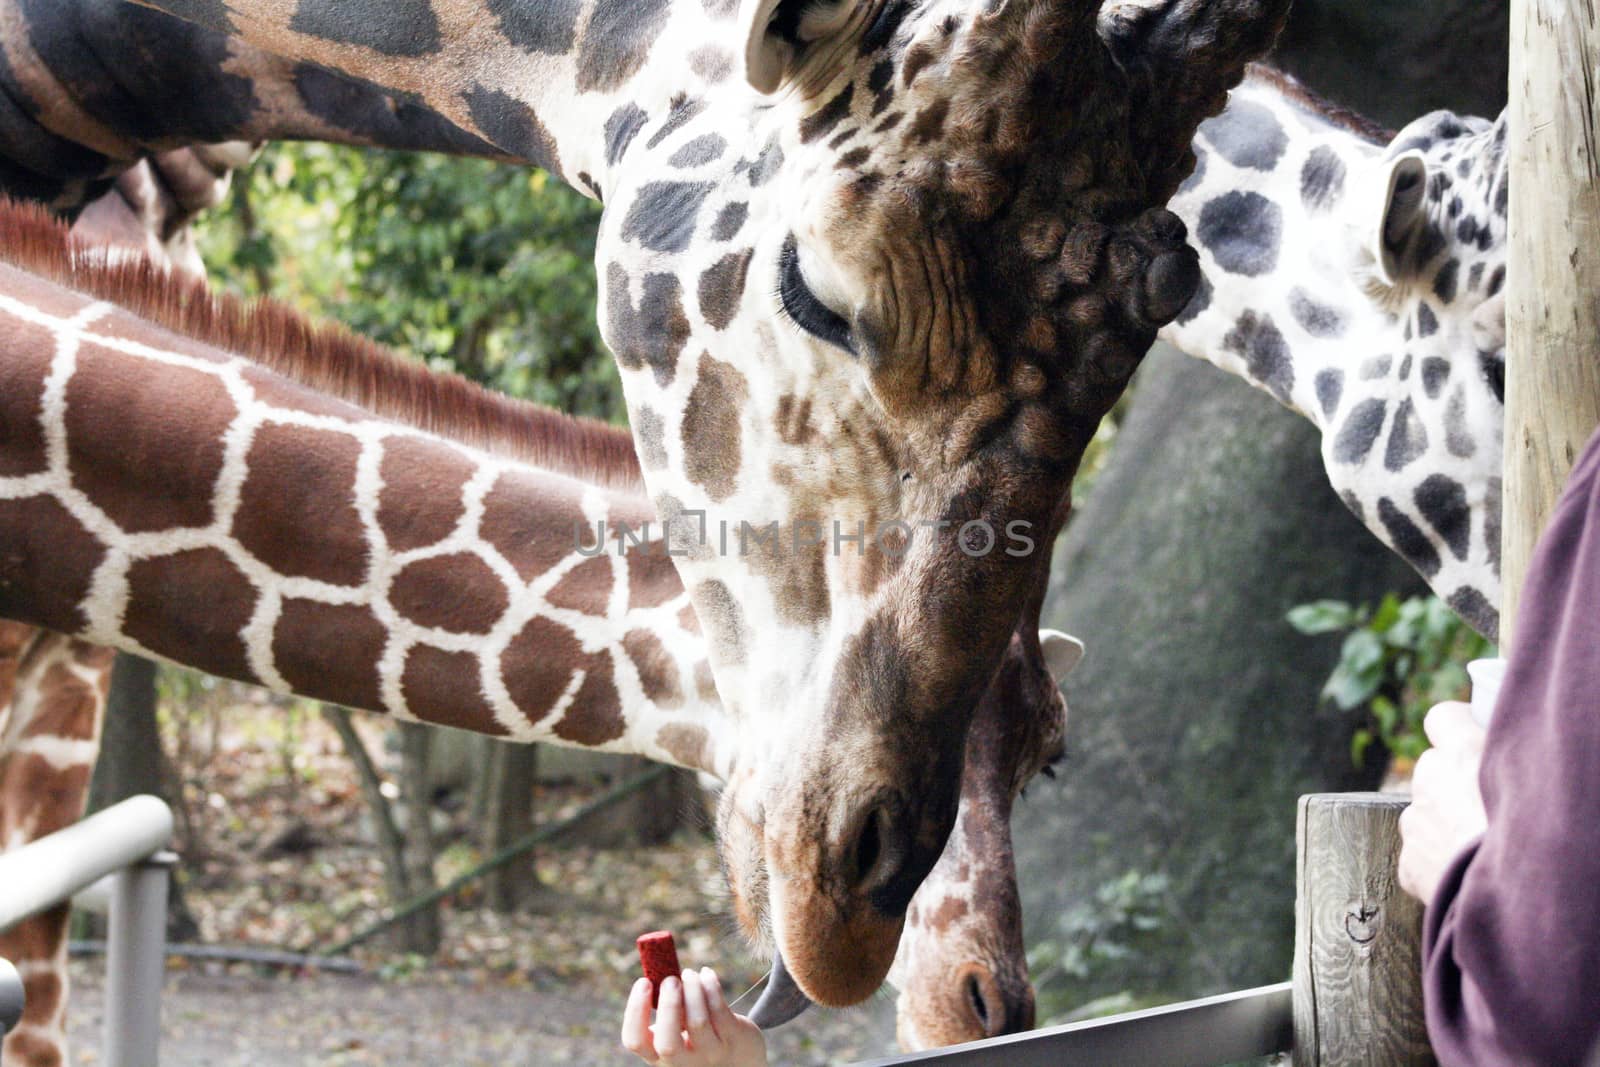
pixel 694 1025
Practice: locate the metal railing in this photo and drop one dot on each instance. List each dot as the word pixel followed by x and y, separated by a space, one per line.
pixel 1198 1033
pixel 124 845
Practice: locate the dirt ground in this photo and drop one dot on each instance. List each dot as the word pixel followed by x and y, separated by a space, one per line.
pixel 277 852
pixel 245 1020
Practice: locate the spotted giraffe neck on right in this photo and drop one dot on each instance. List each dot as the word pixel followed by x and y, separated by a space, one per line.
pixel 1357 277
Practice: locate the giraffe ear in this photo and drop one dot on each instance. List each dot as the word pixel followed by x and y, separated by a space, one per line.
pixel 1405 186
pixel 776 32
pixel 1062 652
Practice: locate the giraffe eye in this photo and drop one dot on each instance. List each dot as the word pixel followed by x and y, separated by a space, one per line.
pixel 803 307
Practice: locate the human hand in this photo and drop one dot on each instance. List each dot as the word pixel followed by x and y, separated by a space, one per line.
pixel 1446 811
pixel 694 1025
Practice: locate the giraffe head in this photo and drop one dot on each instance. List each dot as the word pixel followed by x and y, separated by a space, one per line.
pixel 886 291
pixel 1417 444
pixel 962 967
pixel 1357 275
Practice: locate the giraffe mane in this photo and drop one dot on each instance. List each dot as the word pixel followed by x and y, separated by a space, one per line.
pixel 1296 90
pixel 323 356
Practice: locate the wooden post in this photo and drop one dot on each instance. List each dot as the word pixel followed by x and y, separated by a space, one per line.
pixel 1358 938
pixel 1553 273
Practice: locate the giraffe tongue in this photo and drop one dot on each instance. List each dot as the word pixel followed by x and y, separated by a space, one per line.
pixel 782 1000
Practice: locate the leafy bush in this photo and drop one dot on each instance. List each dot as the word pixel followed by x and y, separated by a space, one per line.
pixel 1124 915
pixel 1398 660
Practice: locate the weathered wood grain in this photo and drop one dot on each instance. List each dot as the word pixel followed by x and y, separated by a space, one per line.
pixel 1358 938
pixel 1553 274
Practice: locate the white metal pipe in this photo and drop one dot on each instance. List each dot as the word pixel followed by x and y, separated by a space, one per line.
pixel 43 874
pixel 136 957
pixel 11 997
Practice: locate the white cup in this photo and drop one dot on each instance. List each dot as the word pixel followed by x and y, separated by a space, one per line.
pixel 1486 675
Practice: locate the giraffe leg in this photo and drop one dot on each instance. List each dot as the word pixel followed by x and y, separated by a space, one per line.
pixel 54 692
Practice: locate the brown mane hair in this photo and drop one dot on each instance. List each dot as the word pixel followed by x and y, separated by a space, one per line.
pixel 1317 104
pixel 324 356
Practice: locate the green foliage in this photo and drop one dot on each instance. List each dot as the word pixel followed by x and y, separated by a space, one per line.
pixel 1124 915
pixel 469 265
pixel 1398 660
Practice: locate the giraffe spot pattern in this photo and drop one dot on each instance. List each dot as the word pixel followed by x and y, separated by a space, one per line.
pixel 444 687
pixel 585 588
pixel 616 42
pixel 880 83
pixel 729 221
pixel 1457 434
pixel 1442 501
pixel 36 528
pixel 1497 280
pixel 1408 539
pixel 1359 432
pixel 688 743
pixel 1492 365
pixel 663 215
pixel 1242 230
pixel 1197 175
pixel 531 540
pixel 1376 367
pixel 390 27
pixel 513 127
pixel 420 502
pixel 1435 373
pixel 1475 608
pixel 821 122
pixel 1317 319
pixel 1330 390
pixel 1404 373
pixel 653 335
pixel 701 150
pixel 652 579
pixel 302 479
pixel 1493 502
pixel 766 165
pixel 1408 438
pixel 546 28
pixel 192 607
pixel 711 427
pixel 370 113
pixel 1444 283
pixel 722 288
pixel 1247 135
pixel 28 349
pixel 1266 355
pixel 723 617
pixel 595 717
pixel 1427 321
pixel 658 675
pixel 330 651
pixel 1353 502
pixel 711 63
pixel 458 593
pixel 160 473
pixel 621 128
pixel 682 110
pixel 650 433
pixel 1322 179
pixel 1475 277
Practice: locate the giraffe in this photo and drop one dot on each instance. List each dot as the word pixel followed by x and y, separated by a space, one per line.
pixel 810 279
pixel 53 688
pixel 1357 276
pixel 963 974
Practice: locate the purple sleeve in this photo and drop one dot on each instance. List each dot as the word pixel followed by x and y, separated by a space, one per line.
pixel 1511 945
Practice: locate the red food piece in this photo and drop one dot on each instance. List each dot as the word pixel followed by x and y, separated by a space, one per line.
pixel 659 956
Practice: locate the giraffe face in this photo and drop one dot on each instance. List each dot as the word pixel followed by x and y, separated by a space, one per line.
pixel 962 966
pixel 1408 442
pixel 867 326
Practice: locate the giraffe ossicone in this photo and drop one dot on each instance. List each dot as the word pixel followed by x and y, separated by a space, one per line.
pixel 903 288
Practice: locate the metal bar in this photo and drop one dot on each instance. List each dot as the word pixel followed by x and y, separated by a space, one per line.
pixel 41 875
pixel 11 997
pixel 261 957
pixel 1198 1033
pixel 136 957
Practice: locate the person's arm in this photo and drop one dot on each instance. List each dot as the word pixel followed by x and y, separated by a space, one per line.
pixel 1511 949
pixel 694 1025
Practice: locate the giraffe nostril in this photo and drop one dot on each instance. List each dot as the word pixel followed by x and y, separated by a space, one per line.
pixel 976 1002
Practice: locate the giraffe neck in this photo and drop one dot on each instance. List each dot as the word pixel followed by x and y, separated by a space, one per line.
pixel 230 511
pixel 87 87
pixel 563 84
pixel 1276 305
